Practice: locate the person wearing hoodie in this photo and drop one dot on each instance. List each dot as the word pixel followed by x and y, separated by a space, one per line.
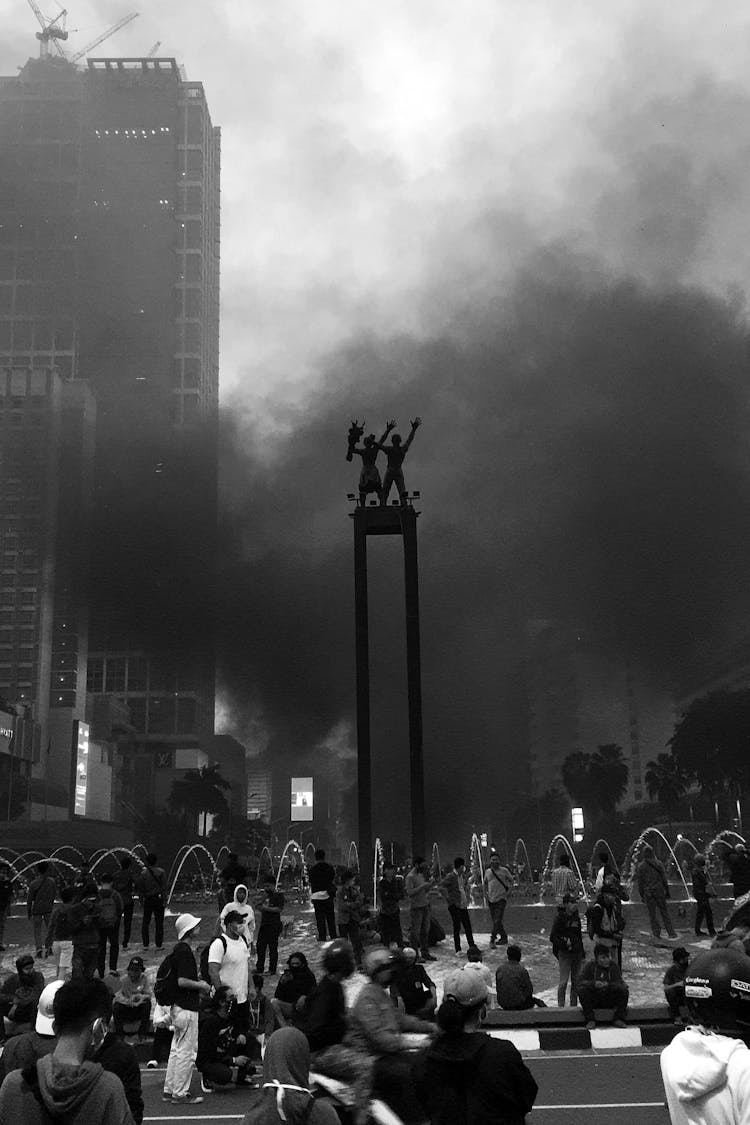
pixel 322 878
pixel 464 1077
pixel 240 904
pixel 67 1084
pixel 324 1015
pixel 287 1096
pixel 296 984
pixel 706 1068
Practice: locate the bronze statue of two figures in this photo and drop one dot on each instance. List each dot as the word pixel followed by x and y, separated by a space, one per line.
pixel 369 478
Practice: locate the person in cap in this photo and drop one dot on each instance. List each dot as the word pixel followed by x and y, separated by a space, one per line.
pixel 674 982
pixel 228 965
pixel 706 1068
pixel 287 1096
pixel 376 1030
pixel 27 1049
pixel 67 1084
pixel 188 990
pixel 221 1059
pixel 464 1077
pixel 132 1002
pixel 19 996
pixel 703 892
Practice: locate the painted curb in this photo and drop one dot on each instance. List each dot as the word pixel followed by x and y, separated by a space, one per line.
pixel 579 1038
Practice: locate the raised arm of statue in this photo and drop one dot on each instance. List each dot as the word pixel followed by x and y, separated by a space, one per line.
pixel 416 423
pixel 355 433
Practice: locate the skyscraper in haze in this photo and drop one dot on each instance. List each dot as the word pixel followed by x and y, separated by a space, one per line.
pixel 109 274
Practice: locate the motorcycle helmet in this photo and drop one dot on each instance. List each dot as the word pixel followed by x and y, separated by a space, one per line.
pixel 339 957
pixel 717 991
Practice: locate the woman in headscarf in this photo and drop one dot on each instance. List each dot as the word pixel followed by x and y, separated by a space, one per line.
pixel 286 1085
pixel 242 905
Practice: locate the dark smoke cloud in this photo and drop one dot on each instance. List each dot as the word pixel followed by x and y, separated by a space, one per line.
pixel 583 455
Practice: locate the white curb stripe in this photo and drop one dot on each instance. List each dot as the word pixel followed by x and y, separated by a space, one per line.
pixel 525 1039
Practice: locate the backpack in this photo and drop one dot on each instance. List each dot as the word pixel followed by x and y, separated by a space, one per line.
pixel 165 985
pixel 203 972
pixel 107 910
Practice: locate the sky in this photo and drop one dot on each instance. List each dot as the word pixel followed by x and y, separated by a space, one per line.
pixel 526 222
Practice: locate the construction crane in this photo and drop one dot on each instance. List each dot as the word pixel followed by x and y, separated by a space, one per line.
pixel 154 49
pixel 100 38
pixel 52 30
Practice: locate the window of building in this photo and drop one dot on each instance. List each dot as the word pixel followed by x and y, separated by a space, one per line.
pixel 186 716
pixel 190 408
pixel 193 267
pixel 116 673
pixel 161 714
pixel 192 376
pixel 22 334
pixel 194 162
pixel 193 303
pixel 193 234
pixel 137 673
pixel 137 708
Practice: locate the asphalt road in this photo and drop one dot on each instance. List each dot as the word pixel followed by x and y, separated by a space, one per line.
pixel 619 1088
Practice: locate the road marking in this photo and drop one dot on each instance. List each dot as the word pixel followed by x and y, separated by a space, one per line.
pixel 587 1053
pixel 199 1117
pixel 599 1105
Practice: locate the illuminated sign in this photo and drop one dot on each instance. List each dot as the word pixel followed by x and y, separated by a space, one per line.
pixel 576 820
pixel 302 798
pixel 6 732
pixel 82 767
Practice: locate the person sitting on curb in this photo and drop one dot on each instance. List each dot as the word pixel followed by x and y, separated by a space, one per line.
pixel 27 1049
pixel 600 985
pixel 132 1002
pixel 513 984
pixel 295 985
pixel 674 982
pixel 412 986
pixel 19 997
pixel 475 964
pixel 567 946
pixel 220 1060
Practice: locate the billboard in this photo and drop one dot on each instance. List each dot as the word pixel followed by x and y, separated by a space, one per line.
pixel 81 735
pixel 6 732
pixel 302 798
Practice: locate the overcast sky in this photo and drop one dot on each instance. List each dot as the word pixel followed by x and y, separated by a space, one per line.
pixel 527 222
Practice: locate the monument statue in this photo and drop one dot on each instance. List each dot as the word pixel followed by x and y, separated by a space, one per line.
pixel 369 477
pixel 395 454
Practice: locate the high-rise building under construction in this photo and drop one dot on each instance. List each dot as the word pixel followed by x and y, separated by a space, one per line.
pixel 109 274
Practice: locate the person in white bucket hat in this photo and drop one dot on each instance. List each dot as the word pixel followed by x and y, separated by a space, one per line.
pixel 25 1050
pixel 185 989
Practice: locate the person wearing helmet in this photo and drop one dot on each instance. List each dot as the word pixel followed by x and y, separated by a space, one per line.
pixel 706 1068
pixel 323 1018
pixel 464 1075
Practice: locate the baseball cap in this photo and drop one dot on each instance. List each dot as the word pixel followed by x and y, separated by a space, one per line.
pixel 44 1012
pixel 24 960
pixel 185 923
pixel 234 916
pixel 137 963
pixel 467 989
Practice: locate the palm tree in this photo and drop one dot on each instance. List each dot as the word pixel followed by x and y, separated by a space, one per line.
pixel 609 774
pixel 667 781
pixel 199 793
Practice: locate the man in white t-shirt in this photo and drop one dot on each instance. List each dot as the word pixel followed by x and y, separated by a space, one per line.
pixel 228 965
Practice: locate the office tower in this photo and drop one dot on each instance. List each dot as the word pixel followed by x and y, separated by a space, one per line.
pixel 109 271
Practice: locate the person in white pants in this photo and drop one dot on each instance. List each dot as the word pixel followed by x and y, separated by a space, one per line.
pixel 186 993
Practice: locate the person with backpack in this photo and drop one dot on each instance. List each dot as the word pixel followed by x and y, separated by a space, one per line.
pixel 59 939
pixel 179 986
pixel 605 922
pixel 498 883
pixel 464 1076
pixel 79 1090
pixel 110 913
pixel 224 962
pixel 152 888
pixel 124 883
pixel 84 928
pixel 39 903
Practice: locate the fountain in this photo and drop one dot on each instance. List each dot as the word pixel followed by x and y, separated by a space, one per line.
pixel 518 867
pixel 545 881
pixel 595 856
pixel 291 844
pixel 476 867
pixel 377 870
pixel 311 847
pixel 223 848
pixel 633 855
pixel 435 864
pixel 181 858
pixel 113 852
pixel 265 849
pixel 353 866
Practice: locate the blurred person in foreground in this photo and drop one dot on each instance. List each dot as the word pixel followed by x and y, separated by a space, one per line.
pixel 464 1077
pixel 287 1096
pixel 27 1049
pixel 66 1084
pixel 706 1068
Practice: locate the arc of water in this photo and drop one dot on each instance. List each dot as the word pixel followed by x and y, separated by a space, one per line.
pixel 289 844
pixel 190 849
pixel 527 862
pixel 266 849
pixel 595 854
pixel 115 852
pixel 545 881
pixel 634 852
pixel 436 868
pixel 475 852
pixel 377 866
pixel 69 848
pixel 353 848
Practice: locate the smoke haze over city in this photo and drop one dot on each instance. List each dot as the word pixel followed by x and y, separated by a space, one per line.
pixel 530 228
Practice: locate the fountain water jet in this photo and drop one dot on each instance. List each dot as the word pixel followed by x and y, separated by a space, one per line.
pixel 595 856
pixel 521 846
pixel 435 864
pixel 179 863
pixel 377 870
pixel 545 880
pixel 267 850
pixel 353 866
pixel 476 863
pixel 633 854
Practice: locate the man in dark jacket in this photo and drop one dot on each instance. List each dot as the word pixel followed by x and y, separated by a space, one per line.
pixel 27 1049
pixel 19 996
pixel 152 888
pixel 110 913
pixel 124 883
pixel 455 889
pixel 322 879
pixel 654 891
pixel 515 992
pixel 738 863
pixel 84 928
pixel 600 985
pixel 6 897
pixel 390 893
pixel 39 903
pixel 703 893
pixel 464 1077
pixel 567 945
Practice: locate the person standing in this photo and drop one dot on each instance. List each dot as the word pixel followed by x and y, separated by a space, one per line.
pixel 416 887
pixel 39 904
pixel 349 903
pixel 738 863
pixel 123 882
pixel 498 882
pixel 84 929
pixel 110 912
pixel 654 891
pixel 270 927
pixel 322 878
pixel 152 888
pixel 234 873
pixel 501 1087
pixel 59 940
pixel 186 993
pixel 703 893
pixel 567 945
pixel 6 897
pixel 241 905
pixel 390 894
pixel 455 888
pixel 564 882
pixel 228 966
